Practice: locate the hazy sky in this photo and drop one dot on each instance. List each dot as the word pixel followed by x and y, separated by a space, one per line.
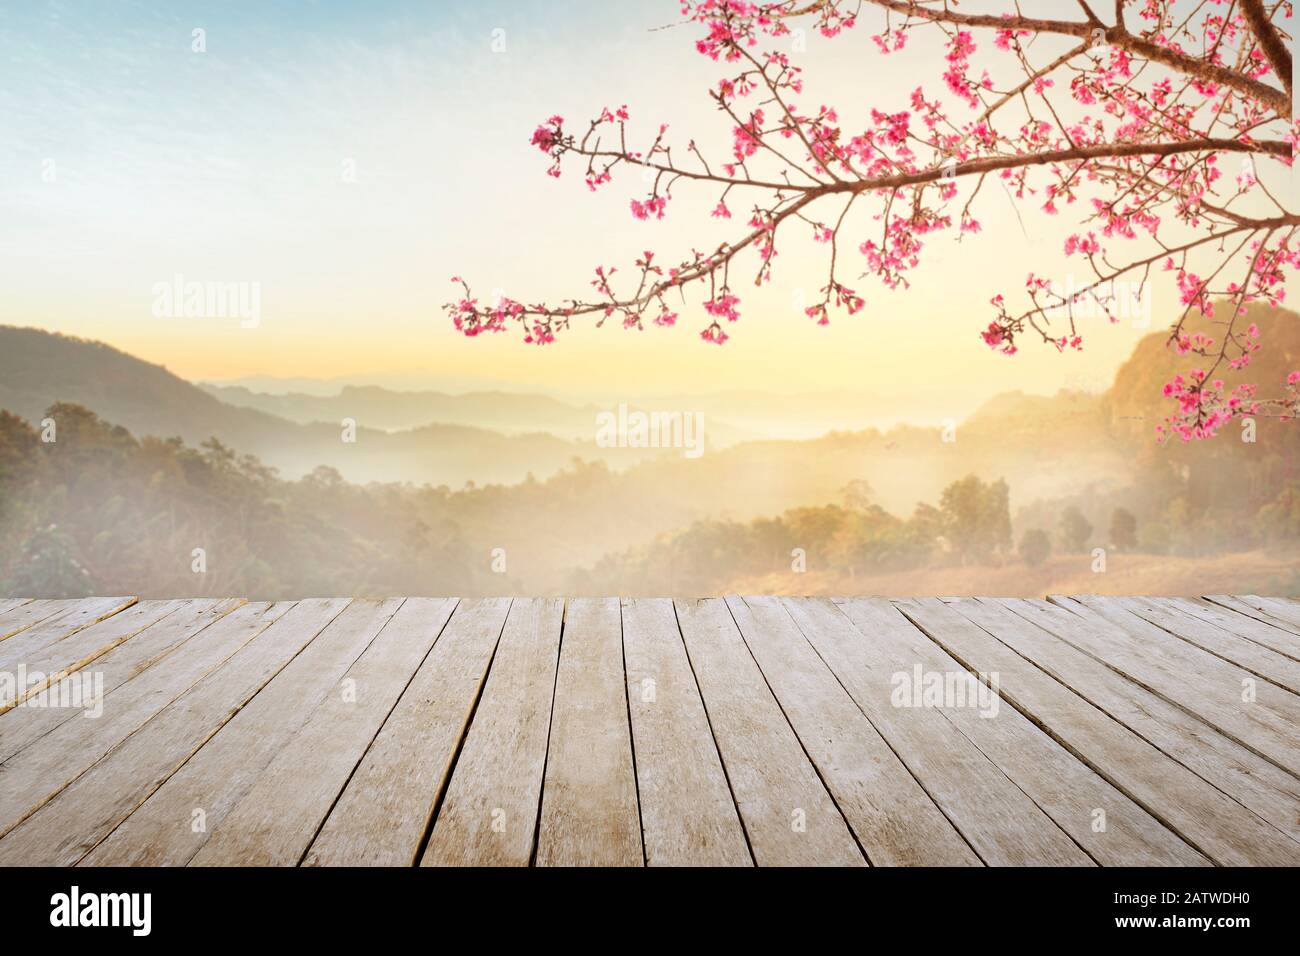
pixel 131 158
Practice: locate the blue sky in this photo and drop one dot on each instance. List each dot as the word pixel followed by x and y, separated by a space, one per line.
pixel 131 158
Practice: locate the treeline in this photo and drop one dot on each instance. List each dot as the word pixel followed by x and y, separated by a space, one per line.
pixel 970 525
pixel 87 507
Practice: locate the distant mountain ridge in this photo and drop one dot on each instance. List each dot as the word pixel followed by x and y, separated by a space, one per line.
pixel 39 368
pixel 505 412
pixel 1045 446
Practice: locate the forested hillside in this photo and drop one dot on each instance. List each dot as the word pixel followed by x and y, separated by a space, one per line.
pixel 1019 495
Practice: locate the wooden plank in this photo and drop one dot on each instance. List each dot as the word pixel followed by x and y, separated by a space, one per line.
pixel 1192 678
pixel 1210 821
pixel 275 822
pixel 1260 661
pixel 20 618
pixel 20 726
pixel 1253 781
pixel 789 817
pixel 35 774
pixel 384 812
pixel 1242 607
pixel 1284 608
pixel 1243 625
pixel 1068 790
pixel 9 604
pixel 590 815
pixel 688 816
pixel 489 814
pixel 1000 822
pixel 163 830
pixel 74 616
pixel 73 823
pixel 55 661
pixel 896 823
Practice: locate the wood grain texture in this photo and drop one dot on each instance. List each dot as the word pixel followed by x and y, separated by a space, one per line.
pixel 69 826
pixel 20 726
pixel 895 821
pixel 1194 679
pixel 1283 608
pixel 1242 606
pixel 27 614
pixel 489 813
pixel 789 817
pixel 71 618
pixel 1274 638
pixel 1246 654
pixel 385 811
pixel 7 605
pixel 590 815
pixel 1068 790
pixel 688 816
pixel 1202 815
pixel 1253 781
pixel 52 663
pixel 275 822
pixel 769 731
pixel 35 774
pixel 163 831
pixel 1000 822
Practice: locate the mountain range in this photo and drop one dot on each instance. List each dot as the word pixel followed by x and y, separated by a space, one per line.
pixel 1045 446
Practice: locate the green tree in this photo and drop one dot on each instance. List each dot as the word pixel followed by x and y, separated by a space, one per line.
pixel 976 517
pixel 1035 547
pixel 1076 530
pixel 1123 529
pixel 49 567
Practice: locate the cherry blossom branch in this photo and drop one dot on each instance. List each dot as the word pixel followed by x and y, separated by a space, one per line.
pixel 1093 29
pixel 1279 57
pixel 1151 116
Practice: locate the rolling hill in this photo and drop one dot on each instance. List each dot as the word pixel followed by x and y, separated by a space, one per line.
pixel 506 412
pixel 39 368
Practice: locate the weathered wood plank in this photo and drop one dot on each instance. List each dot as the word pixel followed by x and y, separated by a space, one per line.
pixel 23 616
pixel 1003 825
pixel 1283 608
pixel 896 823
pixel 688 816
pixel 1243 625
pixel 276 821
pixel 55 661
pixel 1258 784
pixel 1210 821
pixel 35 774
pixel 66 828
pixel 709 732
pixel 65 623
pixel 1194 679
pixel 163 830
pixel 1067 789
pixel 589 813
pixel 1242 607
pixel 385 810
pixel 789 817
pixel 1260 661
pixel 489 814
pixel 20 726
